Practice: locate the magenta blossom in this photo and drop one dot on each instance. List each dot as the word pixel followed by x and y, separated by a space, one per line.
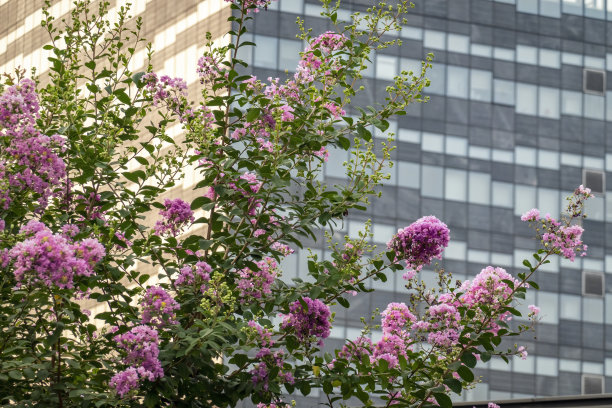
pixel 309 320
pixel 158 307
pixel 420 242
pixel 176 217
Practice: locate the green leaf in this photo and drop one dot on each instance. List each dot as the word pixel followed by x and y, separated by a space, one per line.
pixel 454 385
pixel 534 285
pixel 344 142
pixel 468 359
pixel 122 96
pixel 253 114
pixel 344 302
pixel 466 373
pixel 443 400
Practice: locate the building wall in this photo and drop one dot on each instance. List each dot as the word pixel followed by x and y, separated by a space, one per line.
pixel 508 127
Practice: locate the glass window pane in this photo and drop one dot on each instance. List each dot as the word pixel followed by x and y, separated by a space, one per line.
pixel 505 54
pixel 524 199
pixel 549 303
pixel 455 184
pixel 527 6
pixel 458 43
pixel 526 54
pixel 572 7
pixel 502 194
pixel 413 33
pixel 504 92
pixel 571 103
pixel 548 159
pixel 549 103
pixel 437 76
pixel 433 142
pixel 548 201
pixel 289 54
pixel 386 66
pixel 526 156
pixel 571 306
pixel 594 106
pixel 456 81
pixel 550 8
pixel 456 146
pixel 434 39
pixel 293 6
pixel 409 174
pixel 481 50
pixel 592 310
pixel 432 181
pixel 526 98
pixel 480 188
pixel 571 59
pixel 334 166
pixel 550 58
pixel 480 84
pixel 266 51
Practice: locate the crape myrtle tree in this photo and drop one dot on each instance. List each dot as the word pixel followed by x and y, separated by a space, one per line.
pixel 219 325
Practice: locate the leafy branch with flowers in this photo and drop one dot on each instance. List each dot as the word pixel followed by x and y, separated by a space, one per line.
pixel 88 170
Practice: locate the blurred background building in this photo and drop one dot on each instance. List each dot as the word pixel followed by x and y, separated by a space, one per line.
pixel 519 115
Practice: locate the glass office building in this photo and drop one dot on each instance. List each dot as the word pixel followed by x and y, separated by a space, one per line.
pixel 517 118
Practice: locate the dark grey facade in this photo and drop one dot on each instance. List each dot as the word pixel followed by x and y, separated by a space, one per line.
pixel 518 117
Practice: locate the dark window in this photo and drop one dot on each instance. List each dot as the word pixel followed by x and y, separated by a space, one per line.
pixel 593 179
pixel 592 283
pixel 592 384
pixel 594 81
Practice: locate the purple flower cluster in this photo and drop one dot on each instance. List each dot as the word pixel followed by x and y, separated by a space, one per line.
pixel 158 307
pixel 52 259
pixel 31 161
pixel 256 284
pixel 309 320
pixel 209 68
pixel 18 104
pixel 420 242
pixel 270 361
pixel 142 346
pixel 191 275
pixel 176 217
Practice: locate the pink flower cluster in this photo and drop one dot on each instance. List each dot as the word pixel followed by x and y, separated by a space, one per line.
pixel 311 320
pixel 397 318
pixel 52 259
pixel 32 161
pixel 256 284
pixel 488 288
pixel 208 69
pixel 420 242
pixel 169 91
pixel 142 346
pixel 389 348
pixel 562 238
pixel 325 44
pixel 158 307
pixel 198 274
pixel 176 217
